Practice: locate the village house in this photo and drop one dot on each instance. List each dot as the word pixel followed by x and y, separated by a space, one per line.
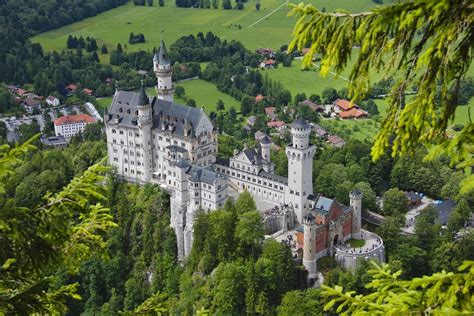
pixel 313 106
pixel 88 92
pixel 70 89
pixel 142 72
pixel 259 98
pixel 268 64
pixel 54 141
pixel 266 52
pixel 336 141
pixel 413 199
pixel 30 104
pixel 271 112
pixel 278 125
pixel 345 110
pixel 252 120
pixel 320 132
pixel 260 135
pixel 52 101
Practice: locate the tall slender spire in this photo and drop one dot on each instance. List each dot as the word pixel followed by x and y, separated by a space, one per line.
pixel 163 54
pixel 143 98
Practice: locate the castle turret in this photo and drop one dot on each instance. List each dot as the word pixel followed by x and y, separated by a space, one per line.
pixel 356 206
pixel 309 247
pixel 265 145
pixel 145 125
pixel 300 167
pixel 162 68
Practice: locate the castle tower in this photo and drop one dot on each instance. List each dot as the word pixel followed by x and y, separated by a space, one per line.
pixel 145 125
pixel 162 68
pixel 356 206
pixel 309 247
pixel 300 167
pixel 265 145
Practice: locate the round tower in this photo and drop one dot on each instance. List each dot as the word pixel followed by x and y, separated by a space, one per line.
pixel 356 206
pixel 162 68
pixel 265 145
pixel 144 123
pixel 309 247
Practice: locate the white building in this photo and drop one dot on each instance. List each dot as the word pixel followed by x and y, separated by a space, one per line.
pixel 52 101
pixel 70 125
pixel 153 140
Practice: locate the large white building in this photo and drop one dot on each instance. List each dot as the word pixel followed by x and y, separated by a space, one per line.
pixel 153 140
pixel 70 125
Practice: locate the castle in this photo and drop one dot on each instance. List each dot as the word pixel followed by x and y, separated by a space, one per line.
pixel 153 140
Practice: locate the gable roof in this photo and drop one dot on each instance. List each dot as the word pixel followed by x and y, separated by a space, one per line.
pixel 344 104
pixel 353 112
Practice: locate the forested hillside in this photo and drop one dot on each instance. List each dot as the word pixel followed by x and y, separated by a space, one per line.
pixel 20 19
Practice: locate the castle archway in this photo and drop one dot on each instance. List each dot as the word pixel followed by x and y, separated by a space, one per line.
pixel 336 240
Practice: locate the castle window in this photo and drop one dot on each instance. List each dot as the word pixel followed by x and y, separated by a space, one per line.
pixel 121 132
pixel 128 111
pixel 113 131
pixel 115 159
pixel 120 110
pixel 114 141
pixel 137 135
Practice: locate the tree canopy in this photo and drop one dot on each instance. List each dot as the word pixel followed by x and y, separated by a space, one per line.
pixel 424 44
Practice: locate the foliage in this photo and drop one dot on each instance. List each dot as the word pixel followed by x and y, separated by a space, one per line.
pixel 394 202
pixel 443 293
pixel 426 44
pixel 59 233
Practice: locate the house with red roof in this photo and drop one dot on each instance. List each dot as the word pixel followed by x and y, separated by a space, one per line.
pixel 267 64
pixel 71 125
pixel 345 110
pixel 278 125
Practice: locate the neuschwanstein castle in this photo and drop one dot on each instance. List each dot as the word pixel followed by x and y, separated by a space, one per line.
pixel 153 140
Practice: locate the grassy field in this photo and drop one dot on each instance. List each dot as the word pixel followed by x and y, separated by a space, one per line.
pixel 205 93
pixel 114 26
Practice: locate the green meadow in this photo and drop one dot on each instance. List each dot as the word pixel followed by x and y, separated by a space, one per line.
pixel 268 27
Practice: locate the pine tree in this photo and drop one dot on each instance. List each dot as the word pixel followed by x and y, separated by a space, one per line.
pixel 104 49
pixel 119 48
pixel 161 3
pixel 226 5
pixel 150 2
pixel 215 4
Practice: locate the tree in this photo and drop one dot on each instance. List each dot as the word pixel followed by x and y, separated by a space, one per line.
pixel 179 91
pixel 161 3
pixel 249 233
pixel 394 202
pixel 245 203
pixel 191 102
pixel 434 59
pixel 40 240
pixel 437 293
pixel 150 3
pixel 239 5
pixel 226 4
pixel 220 105
pixel 119 48
pixel 257 5
pixel 104 49
pixel 93 132
pixel 329 95
pixel 307 302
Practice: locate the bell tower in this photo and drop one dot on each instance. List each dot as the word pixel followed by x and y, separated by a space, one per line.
pixel 162 68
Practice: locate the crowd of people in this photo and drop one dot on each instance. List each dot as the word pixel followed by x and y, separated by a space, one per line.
pixel 281 209
pixel 290 242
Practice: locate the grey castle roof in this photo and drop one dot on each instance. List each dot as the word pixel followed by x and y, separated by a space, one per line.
pixel 175 148
pixel 182 163
pixel 265 140
pixel 162 55
pixel 300 123
pixel 273 177
pixel 356 192
pixel 125 108
pixel 323 205
pixel 205 175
